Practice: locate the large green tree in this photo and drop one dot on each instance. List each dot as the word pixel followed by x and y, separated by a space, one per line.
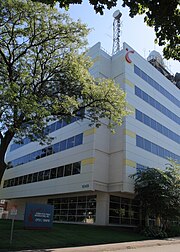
pixel 163 15
pixel 159 192
pixel 44 74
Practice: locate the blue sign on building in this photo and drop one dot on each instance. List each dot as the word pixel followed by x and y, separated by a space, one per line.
pixel 38 216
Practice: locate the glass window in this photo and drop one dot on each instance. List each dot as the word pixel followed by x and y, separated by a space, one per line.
pixel 16 181
pixel 68 170
pixel 53 173
pixel 154 149
pixel 60 171
pixel 138 91
pixel 70 142
pixel 49 150
pixel 144 76
pixel 40 175
pixel 139 141
pixel 147 145
pixel 63 145
pixel 38 154
pixel 35 177
pixel 56 147
pixel 138 115
pixel 52 127
pixel 58 125
pixel 24 179
pixel 29 178
pixel 78 139
pixel 43 153
pixel 64 123
pixel 20 180
pixel 47 174
pixel 151 101
pixel 76 168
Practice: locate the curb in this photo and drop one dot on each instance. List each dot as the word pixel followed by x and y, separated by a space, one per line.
pixel 120 246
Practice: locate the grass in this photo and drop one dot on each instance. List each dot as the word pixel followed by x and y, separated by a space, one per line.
pixel 61 235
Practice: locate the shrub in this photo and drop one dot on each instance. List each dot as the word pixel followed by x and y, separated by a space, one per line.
pixel 173 231
pixel 154 232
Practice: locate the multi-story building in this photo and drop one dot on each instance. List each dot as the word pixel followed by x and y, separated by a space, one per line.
pixel 85 171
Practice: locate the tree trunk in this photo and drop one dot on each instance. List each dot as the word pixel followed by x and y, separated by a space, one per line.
pixel 2 168
pixel 5 141
pixel 158 221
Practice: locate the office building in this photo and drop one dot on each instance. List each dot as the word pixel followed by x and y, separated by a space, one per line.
pixel 85 171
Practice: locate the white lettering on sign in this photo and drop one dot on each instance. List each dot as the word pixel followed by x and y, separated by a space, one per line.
pixel 13 211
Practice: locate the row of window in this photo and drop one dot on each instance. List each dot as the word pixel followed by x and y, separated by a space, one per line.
pixel 141 94
pixel 155 85
pixel 57 172
pixel 123 211
pixel 54 148
pixel 155 149
pixel 157 126
pixel 75 209
pixel 140 167
pixel 49 129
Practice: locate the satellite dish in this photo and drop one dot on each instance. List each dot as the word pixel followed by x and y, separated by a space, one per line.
pixel 117 14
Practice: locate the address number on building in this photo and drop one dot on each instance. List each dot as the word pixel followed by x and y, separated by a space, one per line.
pixel 85 186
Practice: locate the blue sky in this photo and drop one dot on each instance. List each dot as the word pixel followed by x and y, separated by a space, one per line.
pixel 134 32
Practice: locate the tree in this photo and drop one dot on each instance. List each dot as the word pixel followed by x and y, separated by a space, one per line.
pixel 163 15
pixel 44 77
pixel 159 192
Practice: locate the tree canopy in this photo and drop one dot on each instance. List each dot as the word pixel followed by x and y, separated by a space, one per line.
pixel 159 191
pixel 162 15
pixel 44 74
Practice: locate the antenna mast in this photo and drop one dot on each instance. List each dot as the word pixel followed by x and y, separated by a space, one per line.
pixel 116 31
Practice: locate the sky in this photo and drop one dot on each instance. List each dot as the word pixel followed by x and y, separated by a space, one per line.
pixel 133 30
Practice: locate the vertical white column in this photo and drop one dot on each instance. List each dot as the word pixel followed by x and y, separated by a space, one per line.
pixel 102 208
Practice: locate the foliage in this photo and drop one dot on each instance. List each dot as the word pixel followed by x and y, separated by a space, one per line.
pixel 43 75
pixel 154 232
pixel 163 15
pixel 173 230
pixel 159 192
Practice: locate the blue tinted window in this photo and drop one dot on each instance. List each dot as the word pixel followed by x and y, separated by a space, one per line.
pixel 63 145
pixel 157 126
pixel 138 115
pixel 70 142
pixel 138 91
pixel 49 129
pixel 156 105
pixel 155 149
pixel 78 139
pixel 156 85
pixel 58 125
pixel 56 147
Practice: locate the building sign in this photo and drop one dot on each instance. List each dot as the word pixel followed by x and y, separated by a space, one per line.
pixel 38 216
pixel 127 55
pixel 13 211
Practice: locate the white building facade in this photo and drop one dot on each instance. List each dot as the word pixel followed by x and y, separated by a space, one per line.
pixel 85 171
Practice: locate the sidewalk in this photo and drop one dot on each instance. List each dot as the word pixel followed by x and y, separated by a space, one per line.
pixel 119 246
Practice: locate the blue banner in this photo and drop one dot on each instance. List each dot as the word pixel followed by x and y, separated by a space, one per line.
pixel 38 216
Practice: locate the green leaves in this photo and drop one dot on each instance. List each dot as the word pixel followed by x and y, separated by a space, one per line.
pixel 164 16
pixel 43 75
pixel 159 191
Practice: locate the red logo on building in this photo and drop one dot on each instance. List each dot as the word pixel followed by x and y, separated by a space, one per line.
pixel 127 55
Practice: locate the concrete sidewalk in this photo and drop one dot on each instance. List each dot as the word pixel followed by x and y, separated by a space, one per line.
pixel 120 246
pixel 115 246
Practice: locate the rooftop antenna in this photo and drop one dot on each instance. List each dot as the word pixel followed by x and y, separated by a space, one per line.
pixel 116 31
